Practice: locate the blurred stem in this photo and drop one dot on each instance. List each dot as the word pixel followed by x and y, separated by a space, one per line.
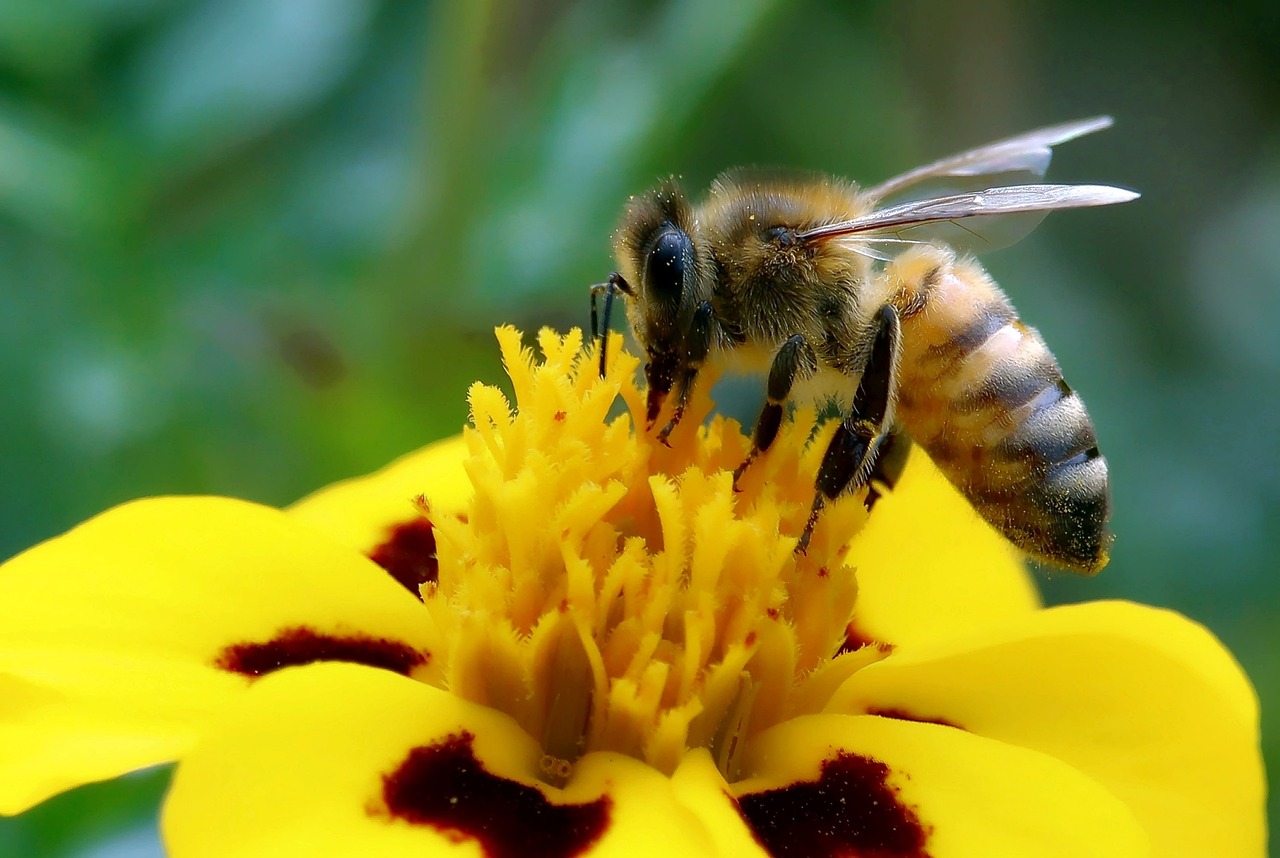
pixel 451 153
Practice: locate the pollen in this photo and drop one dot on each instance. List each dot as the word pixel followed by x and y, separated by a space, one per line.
pixel 613 593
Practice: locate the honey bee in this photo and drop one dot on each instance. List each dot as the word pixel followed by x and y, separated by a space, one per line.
pixel 795 277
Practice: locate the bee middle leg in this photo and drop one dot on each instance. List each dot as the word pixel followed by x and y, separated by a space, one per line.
pixel 795 361
pixel 855 450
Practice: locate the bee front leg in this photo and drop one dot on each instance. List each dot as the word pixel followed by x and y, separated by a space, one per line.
pixel 852 455
pixel 610 288
pixel 697 345
pixel 795 361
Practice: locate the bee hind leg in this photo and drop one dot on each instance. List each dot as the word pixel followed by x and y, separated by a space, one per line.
pixel 890 461
pixel 794 362
pixel 855 449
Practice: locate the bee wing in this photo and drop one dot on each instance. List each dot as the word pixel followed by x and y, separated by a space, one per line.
pixel 1027 153
pixel 1001 215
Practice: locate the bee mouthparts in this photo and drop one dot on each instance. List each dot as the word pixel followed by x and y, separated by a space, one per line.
pixel 656 398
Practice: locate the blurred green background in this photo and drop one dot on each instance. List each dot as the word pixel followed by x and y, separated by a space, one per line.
pixel 249 247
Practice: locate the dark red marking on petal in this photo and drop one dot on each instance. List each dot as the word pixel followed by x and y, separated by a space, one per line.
pixel 444 786
pixel 300 645
pixel 850 810
pixel 856 639
pixel 904 715
pixel 560 415
pixel 409 554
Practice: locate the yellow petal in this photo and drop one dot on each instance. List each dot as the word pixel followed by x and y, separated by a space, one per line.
pixel 1141 700
pixel 364 512
pixel 123 639
pixel 928 566
pixel 858 785
pixel 338 760
pixel 702 789
pixel 646 816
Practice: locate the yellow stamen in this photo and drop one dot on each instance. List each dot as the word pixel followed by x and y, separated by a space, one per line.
pixel 613 593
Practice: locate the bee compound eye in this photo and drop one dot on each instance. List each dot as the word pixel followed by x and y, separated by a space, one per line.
pixel 782 236
pixel 670 257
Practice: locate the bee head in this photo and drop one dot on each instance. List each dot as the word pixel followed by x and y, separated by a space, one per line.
pixel 667 265
pixel 663 282
pixel 656 254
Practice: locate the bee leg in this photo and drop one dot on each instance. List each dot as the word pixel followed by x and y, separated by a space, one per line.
pixel 795 361
pixel 697 345
pixel 610 288
pixel 891 459
pixel 851 456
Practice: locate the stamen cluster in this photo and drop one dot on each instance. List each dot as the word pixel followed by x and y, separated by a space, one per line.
pixel 611 592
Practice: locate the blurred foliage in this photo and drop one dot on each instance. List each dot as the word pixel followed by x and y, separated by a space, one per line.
pixel 248 247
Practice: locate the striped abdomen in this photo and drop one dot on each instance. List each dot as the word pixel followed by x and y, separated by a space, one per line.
pixel 983 395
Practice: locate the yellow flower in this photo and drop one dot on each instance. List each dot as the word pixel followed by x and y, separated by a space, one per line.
pixel 590 644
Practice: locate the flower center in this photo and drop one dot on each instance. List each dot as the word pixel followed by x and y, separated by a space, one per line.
pixel 612 593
